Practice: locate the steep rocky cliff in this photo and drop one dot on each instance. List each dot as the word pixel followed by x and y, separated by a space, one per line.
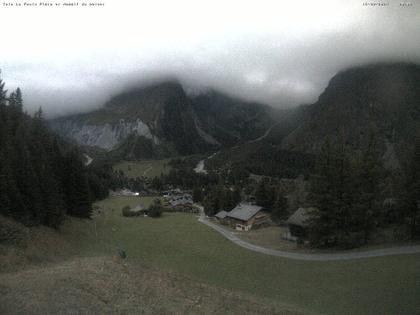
pixel 162 120
pixel 105 136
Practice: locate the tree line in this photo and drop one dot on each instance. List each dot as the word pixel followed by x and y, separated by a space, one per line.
pixel 349 190
pixel 42 178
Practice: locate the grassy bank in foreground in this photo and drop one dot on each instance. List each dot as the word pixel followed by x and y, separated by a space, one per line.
pixel 103 285
pixel 387 285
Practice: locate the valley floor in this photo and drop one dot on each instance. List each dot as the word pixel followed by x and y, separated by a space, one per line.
pixel 199 257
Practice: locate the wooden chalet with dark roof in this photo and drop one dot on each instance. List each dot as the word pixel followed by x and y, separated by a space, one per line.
pixel 244 216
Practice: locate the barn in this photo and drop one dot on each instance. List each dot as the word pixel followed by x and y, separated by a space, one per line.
pixel 221 216
pixel 244 216
pixel 298 223
pixel 138 210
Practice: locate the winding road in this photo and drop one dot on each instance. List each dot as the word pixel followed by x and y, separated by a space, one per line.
pixel 413 249
pixel 201 168
pixel 390 251
pixel 149 167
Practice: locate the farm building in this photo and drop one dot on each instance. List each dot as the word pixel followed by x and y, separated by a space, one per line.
pixel 172 193
pixel 221 216
pixel 181 200
pixel 298 223
pixel 182 203
pixel 137 210
pixel 244 216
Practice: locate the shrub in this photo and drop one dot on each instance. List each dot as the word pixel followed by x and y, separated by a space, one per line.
pixel 155 209
pixel 12 232
pixel 126 212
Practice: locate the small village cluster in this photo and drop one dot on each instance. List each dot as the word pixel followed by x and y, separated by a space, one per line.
pixel 174 200
pixel 178 200
pixel 244 217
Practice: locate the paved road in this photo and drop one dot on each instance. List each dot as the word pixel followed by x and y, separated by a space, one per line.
pixel 414 249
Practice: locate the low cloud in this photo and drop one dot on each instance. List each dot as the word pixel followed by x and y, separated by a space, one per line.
pixel 278 53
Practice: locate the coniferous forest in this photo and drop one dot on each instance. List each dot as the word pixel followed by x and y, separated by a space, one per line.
pixel 350 195
pixel 42 178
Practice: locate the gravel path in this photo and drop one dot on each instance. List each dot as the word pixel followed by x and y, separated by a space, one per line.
pixel 88 159
pixel 201 167
pixel 147 170
pixel 414 249
pixel 265 135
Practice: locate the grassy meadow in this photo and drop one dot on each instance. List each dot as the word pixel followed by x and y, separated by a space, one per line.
pixel 177 242
pixel 146 168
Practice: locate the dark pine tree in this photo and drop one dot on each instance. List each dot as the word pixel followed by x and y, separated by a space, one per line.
pixel 197 194
pixel 280 207
pixel 369 172
pixel 411 196
pixel 76 186
pixel 265 194
pixel 332 195
pixel 39 184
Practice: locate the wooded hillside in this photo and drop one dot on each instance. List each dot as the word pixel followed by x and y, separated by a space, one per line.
pixel 42 178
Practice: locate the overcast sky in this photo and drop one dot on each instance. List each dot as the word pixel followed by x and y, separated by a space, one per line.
pixel 278 52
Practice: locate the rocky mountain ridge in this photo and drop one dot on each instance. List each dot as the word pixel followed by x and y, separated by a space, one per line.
pixel 162 120
pixel 379 99
pixel 383 99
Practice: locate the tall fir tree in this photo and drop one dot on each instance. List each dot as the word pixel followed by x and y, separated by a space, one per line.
pixel 280 207
pixel 411 195
pixel 76 186
pixel 38 183
pixel 369 172
pixel 332 195
pixel 265 194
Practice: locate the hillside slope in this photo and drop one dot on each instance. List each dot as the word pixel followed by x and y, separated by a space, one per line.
pixel 44 271
pixel 106 286
pixel 383 99
pixel 379 98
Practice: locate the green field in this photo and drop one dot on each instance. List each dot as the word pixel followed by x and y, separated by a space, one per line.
pixel 177 242
pixel 146 168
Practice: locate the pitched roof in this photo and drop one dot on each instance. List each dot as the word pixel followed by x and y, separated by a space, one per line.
pixel 186 198
pixel 176 202
pixel 181 200
pixel 244 211
pixel 300 217
pixel 221 214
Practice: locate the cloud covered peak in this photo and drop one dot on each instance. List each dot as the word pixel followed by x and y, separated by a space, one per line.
pixel 275 52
